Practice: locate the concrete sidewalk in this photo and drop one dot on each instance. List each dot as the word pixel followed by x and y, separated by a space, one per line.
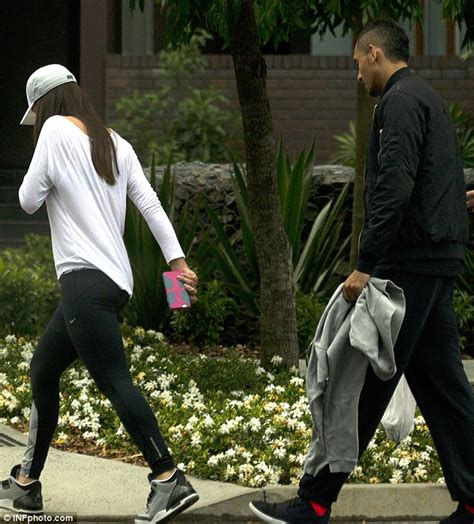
pixel 99 490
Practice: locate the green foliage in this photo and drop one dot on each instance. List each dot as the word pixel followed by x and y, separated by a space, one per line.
pixel 464 306
pixel 185 62
pixel 224 418
pixel 30 292
pixel 315 258
pixel 462 11
pixel 134 119
pixel 346 151
pixel 278 19
pixel 464 124
pixel 148 307
pixel 177 121
pixel 203 323
pixel 465 281
pixel 309 309
pixel 198 130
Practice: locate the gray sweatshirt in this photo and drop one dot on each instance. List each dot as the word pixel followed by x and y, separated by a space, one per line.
pixel 348 338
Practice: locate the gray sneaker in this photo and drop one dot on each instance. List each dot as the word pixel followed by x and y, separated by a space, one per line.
pixel 167 499
pixel 18 498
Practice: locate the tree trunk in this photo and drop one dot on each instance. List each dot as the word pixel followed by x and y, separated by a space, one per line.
pixel 365 107
pixel 277 295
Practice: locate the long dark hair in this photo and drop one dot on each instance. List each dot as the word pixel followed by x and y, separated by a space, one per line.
pixel 70 100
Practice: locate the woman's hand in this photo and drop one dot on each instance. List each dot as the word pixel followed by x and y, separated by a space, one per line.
pixel 188 277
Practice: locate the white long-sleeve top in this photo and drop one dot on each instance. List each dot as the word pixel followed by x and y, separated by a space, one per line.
pixel 87 215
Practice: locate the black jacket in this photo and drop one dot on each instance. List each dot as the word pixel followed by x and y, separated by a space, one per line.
pixel 415 205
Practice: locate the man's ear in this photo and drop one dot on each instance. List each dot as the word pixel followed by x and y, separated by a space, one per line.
pixel 373 54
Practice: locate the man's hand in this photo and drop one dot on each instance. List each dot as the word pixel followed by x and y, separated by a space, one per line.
pixel 470 200
pixel 354 285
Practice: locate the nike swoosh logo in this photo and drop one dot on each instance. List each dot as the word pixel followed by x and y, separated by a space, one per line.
pixel 73 320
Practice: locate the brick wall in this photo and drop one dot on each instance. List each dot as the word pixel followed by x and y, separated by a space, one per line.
pixel 310 96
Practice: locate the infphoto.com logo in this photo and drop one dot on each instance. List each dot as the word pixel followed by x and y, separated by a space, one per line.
pixel 22 517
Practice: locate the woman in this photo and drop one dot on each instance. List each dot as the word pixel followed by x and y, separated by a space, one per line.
pixel 84 172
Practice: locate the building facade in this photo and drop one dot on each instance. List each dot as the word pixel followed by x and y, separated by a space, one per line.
pixel 311 82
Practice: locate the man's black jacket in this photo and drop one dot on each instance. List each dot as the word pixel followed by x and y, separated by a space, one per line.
pixel 415 205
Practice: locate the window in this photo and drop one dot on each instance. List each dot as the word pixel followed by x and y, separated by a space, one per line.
pixel 434 30
pixel 330 45
pixel 137 30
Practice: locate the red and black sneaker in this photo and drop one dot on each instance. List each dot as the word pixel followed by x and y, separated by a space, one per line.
pixel 461 516
pixel 294 511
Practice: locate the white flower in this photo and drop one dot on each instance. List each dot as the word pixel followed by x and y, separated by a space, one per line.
pixel 270 406
pixel 165 397
pixel 63 436
pixel 213 460
pixel 208 421
pixel 176 432
pixel 372 444
pixel 229 472
pixel 230 453
pixel 280 453
pixel 192 421
pixel 254 424
pixel 276 360
pixel 397 476
pixel 10 338
pixel 404 462
pixel 231 425
pixel 150 386
pixel 296 381
pixel 196 440
pixel 420 472
pixel 245 470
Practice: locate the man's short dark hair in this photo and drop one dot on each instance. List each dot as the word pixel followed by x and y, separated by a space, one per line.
pixel 387 35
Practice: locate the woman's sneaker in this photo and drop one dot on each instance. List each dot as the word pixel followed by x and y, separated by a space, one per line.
pixel 168 498
pixel 21 499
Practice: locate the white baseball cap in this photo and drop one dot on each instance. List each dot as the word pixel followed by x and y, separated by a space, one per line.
pixel 41 82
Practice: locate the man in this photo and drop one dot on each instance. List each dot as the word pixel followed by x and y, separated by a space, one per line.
pixel 414 233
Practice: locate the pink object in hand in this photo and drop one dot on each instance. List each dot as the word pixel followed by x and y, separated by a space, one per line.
pixel 176 295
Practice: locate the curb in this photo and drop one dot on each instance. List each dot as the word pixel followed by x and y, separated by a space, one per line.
pixel 357 502
pixel 125 490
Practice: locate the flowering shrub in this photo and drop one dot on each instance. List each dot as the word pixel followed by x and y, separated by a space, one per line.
pixel 224 419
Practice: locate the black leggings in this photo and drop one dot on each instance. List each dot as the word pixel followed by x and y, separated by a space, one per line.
pixel 85 325
pixel 427 351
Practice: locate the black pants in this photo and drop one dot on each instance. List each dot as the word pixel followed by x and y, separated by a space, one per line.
pixel 427 351
pixel 85 325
